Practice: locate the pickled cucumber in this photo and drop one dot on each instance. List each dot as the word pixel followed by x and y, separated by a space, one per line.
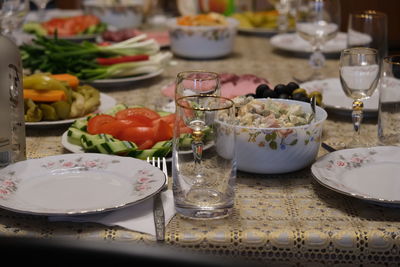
pixel 62 108
pixel 49 113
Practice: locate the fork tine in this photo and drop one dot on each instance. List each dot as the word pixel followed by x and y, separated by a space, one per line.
pixel 164 167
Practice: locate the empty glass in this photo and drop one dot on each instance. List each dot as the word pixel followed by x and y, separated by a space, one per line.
pixel 13 13
pixel 197 82
pixel 368 29
pixel 317 21
pixel 389 102
pixel 41 5
pixel 203 162
pixel 359 76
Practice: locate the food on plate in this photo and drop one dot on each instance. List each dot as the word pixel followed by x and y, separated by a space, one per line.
pixel 69 26
pixel 84 59
pixel 209 19
pixel 128 131
pixel 266 114
pixel 260 20
pixel 161 37
pixel 57 97
pixel 232 85
pixel 288 91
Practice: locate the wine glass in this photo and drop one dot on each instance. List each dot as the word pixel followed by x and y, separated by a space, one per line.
pixel 317 21
pixel 13 13
pixel 359 75
pixel 368 29
pixel 283 8
pixel 41 5
pixel 203 157
pixel 195 82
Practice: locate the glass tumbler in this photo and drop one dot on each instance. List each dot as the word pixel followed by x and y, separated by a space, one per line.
pixel 389 102
pixel 204 161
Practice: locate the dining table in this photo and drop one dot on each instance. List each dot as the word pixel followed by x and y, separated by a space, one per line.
pixel 286 219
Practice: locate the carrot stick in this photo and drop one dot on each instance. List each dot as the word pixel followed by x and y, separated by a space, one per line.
pixel 72 80
pixel 44 95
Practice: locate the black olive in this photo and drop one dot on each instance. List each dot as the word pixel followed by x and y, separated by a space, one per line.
pixel 260 90
pixel 298 96
pixel 270 93
pixel 292 86
pixel 251 94
pixel 281 89
pixel 284 96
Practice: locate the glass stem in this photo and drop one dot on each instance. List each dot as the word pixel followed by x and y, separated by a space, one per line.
pixel 357 116
pixel 317 61
pixel 197 148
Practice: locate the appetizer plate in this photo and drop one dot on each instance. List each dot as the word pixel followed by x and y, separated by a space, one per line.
pixel 106 102
pixel 335 99
pixel 122 81
pixel 294 43
pixel 74 184
pixel 365 173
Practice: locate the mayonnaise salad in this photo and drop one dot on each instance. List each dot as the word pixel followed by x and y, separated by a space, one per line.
pixel 266 113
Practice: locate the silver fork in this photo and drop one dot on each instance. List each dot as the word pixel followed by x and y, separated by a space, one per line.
pixel 158 210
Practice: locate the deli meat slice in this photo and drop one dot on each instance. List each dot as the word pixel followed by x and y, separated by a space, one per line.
pixel 232 85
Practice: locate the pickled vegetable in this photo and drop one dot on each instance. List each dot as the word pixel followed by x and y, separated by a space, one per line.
pixel 42 82
pixel 49 113
pixel 77 106
pixel 32 112
pixel 63 109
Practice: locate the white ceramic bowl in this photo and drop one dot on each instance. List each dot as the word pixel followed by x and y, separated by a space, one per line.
pixel 202 42
pixel 120 17
pixel 279 150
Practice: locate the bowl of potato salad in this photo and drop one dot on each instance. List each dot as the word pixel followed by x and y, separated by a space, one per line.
pixel 275 135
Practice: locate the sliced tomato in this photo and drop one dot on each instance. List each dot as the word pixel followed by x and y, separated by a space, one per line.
pixel 138 135
pixel 146 144
pixel 138 120
pixel 184 129
pixel 129 112
pixel 162 131
pixel 95 123
pixel 169 118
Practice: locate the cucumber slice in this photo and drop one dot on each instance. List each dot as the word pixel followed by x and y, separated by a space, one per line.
pixel 116 147
pixel 163 144
pixel 74 136
pixel 149 153
pixel 80 124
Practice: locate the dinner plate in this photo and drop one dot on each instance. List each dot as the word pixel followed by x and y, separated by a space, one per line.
pixel 294 43
pixel 366 173
pixel 257 31
pixel 121 81
pixel 74 184
pixel 335 99
pixel 106 102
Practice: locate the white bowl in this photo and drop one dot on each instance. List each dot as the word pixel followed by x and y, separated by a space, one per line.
pixel 279 150
pixel 201 42
pixel 119 16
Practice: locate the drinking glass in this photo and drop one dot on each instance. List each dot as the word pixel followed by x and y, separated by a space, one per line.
pixel 283 8
pixel 13 13
pixel 389 102
pixel 195 82
pixel 41 5
pixel 359 75
pixel 317 21
pixel 368 29
pixel 203 161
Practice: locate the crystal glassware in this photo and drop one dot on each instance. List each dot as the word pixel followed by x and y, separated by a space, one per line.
pixel 317 21
pixel 41 5
pixel 359 76
pixel 195 82
pixel 203 161
pixel 13 13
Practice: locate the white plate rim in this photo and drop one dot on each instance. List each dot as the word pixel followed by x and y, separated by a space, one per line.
pixel 117 81
pixel 306 85
pixel 107 159
pixel 106 102
pixel 348 192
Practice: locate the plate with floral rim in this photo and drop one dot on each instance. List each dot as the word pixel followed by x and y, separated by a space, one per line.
pixel 366 173
pixel 77 184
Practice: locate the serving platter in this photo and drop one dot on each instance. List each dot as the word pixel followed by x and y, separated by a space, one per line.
pixel 365 173
pixel 335 99
pixel 122 81
pixel 74 184
pixel 106 102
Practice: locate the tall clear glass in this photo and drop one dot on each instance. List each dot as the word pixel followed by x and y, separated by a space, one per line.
pixel 317 21
pixel 389 102
pixel 359 75
pixel 368 29
pixel 204 161
pixel 13 13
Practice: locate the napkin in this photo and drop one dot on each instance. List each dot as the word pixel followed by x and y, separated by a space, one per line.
pixel 138 217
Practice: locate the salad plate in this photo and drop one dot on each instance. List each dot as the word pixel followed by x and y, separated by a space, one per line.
pixel 294 43
pixel 106 102
pixel 74 184
pixel 365 173
pixel 335 99
pixel 122 81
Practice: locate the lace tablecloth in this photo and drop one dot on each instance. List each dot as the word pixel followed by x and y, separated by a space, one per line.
pixel 286 218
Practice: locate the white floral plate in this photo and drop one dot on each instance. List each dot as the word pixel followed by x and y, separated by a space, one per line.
pixel 74 184
pixel 335 99
pixel 367 173
pixel 106 102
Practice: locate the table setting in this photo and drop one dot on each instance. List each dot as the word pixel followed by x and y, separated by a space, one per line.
pixel 215 143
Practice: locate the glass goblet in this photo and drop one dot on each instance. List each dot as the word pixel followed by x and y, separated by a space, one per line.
pixel 359 76
pixel 196 82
